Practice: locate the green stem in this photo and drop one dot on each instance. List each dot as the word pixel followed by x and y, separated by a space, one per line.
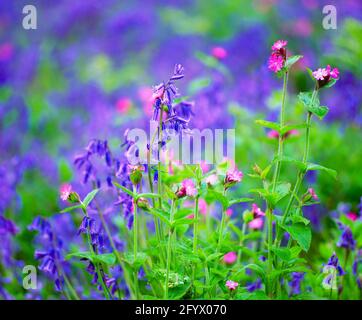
pixel 159 184
pixel 269 214
pixel 168 263
pixel 281 137
pixel 300 177
pixel 135 244
pixel 221 228
pixel 243 230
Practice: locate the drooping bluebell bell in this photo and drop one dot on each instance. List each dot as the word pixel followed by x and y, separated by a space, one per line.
pixel 50 256
pixel 346 240
pixel 357 268
pixel 251 287
pixel 295 282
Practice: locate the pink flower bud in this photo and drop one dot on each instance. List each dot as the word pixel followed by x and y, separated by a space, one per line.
pixel 230 257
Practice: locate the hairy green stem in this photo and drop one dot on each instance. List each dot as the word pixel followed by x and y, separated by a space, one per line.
pixel 168 263
pixel 135 244
pixel 281 136
pixel 221 228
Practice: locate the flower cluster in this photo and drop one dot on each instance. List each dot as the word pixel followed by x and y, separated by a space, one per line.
pixel 325 75
pixel 232 177
pixel 97 148
pixel 278 56
pixel 187 189
pixel 50 256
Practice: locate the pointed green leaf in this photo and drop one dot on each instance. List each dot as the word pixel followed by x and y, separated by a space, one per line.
pixel 89 197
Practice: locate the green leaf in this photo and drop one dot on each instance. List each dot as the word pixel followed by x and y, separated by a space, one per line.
pixel 198 84
pixel 163 215
pixel 282 253
pixel 310 73
pixel 315 108
pixel 140 259
pixel 78 206
pixel 313 166
pixel 217 196
pixel 301 233
pixel 268 124
pixel 148 195
pixel 231 202
pixel 292 60
pixel 89 197
pixel 330 83
pixel 129 192
pixel 87 255
pixel 299 164
pixel 183 221
pixel 282 189
pixel 106 258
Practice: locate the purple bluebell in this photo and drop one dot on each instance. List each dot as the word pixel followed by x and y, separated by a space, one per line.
pixel 295 282
pixel 357 268
pixel 346 240
pixel 251 287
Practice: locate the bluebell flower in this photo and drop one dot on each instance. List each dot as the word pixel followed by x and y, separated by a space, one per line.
pixel 294 284
pixel 251 287
pixel 356 268
pixel 346 240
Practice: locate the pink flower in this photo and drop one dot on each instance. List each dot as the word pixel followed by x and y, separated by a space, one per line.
pixel 212 180
pixel 352 216
pixel 279 44
pixel 204 166
pixel 190 216
pixel 257 211
pixel 313 194
pixel 232 177
pixel 334 73
pixel 232 285
pixel 257 223
pixel 276 62
pixel 123 105
pixel 273 134
pixel 324 75
pixel 65 190
pixel 229 212
pixel 219 53
pixel 187 189
pixel 6 51
pixel 320 74
pixel 230 257
pixel 203 207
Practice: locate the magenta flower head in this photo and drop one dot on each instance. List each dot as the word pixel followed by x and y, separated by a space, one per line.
pixel 232 177
pixel 232 285
pixel 66 193
pixel 325 75
pixel 278 56
pixel 219 53
pixel 230 257
pixel 187 189
pixel 313 194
